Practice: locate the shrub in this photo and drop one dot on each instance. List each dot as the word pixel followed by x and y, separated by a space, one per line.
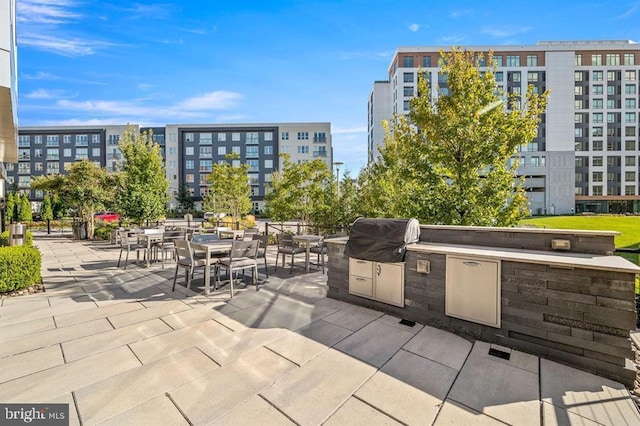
pixel 19 268
pixel 4 238
pixel 104 232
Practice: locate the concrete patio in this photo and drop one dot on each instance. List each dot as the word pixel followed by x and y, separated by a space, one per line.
pixel 121 348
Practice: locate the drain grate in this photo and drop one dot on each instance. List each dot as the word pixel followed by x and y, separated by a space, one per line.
pixel 499 354
pixel 407 322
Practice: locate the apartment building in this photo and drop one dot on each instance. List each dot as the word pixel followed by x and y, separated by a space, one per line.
pixel 585 156
pixel 189 152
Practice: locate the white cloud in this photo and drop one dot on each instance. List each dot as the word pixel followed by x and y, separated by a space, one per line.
pixel 220 99
pixel 414 27
pixel 461 12
pixel 40 94
pixel 139 110
pixel 507 31
pixel 632 10
pixel 62 46
pixel 45 11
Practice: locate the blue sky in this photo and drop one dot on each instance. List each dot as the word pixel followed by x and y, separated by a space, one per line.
pixel 156 63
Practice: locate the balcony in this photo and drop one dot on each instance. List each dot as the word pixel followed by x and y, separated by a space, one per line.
pixel 319 154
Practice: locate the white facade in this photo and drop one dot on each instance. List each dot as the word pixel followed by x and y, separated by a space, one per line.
pixel 8 83
pixel 380 109
pixel 586 154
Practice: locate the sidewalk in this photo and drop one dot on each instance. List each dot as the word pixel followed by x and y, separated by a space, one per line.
pixel 121 348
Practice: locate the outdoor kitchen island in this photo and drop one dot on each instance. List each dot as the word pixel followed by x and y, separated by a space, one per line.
pixel 558 294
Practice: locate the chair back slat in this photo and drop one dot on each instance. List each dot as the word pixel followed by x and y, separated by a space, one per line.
pixel 244 249
pixel 183 250
pixel 284 240
pixel 263 240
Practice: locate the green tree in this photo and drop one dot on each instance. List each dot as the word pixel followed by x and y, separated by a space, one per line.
pixel 10 208
pixel 229 190
pixel 46 209
pixel 25 215
pixel 142 193
pixel 299 191
pixel 85 188
pixel 347 208
pixel 185 202
pixel 58 207
pixel 451 156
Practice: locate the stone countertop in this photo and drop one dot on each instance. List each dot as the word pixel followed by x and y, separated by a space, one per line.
pixel 552 258
pixel 527 229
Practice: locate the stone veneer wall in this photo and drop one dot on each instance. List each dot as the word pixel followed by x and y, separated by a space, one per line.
pixel 581 317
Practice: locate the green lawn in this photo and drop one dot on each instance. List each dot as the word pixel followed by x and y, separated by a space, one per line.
pixel 628 226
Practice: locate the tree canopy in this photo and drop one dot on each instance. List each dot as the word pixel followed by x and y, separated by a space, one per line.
pixel 229 190
pixel 25 215
pixel 299 190
pixel 452 160
pixel 86 188
pixel 142 190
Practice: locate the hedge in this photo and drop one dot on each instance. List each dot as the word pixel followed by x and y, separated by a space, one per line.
pixel 19 267
pixel 4 238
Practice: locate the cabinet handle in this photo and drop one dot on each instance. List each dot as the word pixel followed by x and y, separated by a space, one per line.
pixel 360 279
pixel 378 269
pixel 469 263
pixel 360 261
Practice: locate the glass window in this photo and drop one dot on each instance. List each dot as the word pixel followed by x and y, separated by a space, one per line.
pixel 66 139
pixel 82 140
pixel 629 131
pixel 497 60
pixel 235 163
pixel 629 59
pixel 303 136
pixel 222 137
pixel 95 138
pixel 406 105
pixel 254 165
pixel 597 117
pixel 37 139
pixel 254 179
pixel 24 181
pixel 597 89
pixel 81 153
pixel 66 152
pixel 53 167
pixel 596 177
pixel 52 140
pixel 598 76
pixel 205 139
pixel 516 77
pixel 284 136
pixel 407 61
pixel 53 154
pixel 188 137
pixel 629 117
pixel 268 150
pixel 268 136
pixel 235 137
pixel 533 77
pixel 222 150
pixel 408 91
pixel 37 153
pixel 630 103
pixel 611 90
pixel 630 160
pixel 597 131
pixel 95 152
pixel 611 75
pixel 189 164
pixel 578 132
pixel 597 161
pixel 205 166
pixel 578 59
pixel 268 164
pixel 630 145
pixel 235 150
pixel 303 149
pixel 630 75
pixel 189 150
pixel 499 76
pixel 426 61
pixel 613 59
pixel 189 177
pixel 578 117
pixel 408 77
pixel 534 161
pixel 596 59
pixel 596 190
pixel 24 168
pixel 253 151
pixel 630 176
pixel 532 60
pixel 513 60
pixel 38 167
pixel 630 89
pixel 578 104
pixel 206 151
pixel 611 117
pixel 252 137
pixel 597 103
pixel 578 76
pixel 629 190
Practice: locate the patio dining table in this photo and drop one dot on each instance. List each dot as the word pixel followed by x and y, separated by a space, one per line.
pixel 210 248
pixel 152 237
pixel 307 241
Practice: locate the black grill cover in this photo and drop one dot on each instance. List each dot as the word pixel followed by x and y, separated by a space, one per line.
pixel 381 240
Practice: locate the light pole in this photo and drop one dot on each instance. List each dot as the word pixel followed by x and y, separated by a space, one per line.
pixel 338 164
